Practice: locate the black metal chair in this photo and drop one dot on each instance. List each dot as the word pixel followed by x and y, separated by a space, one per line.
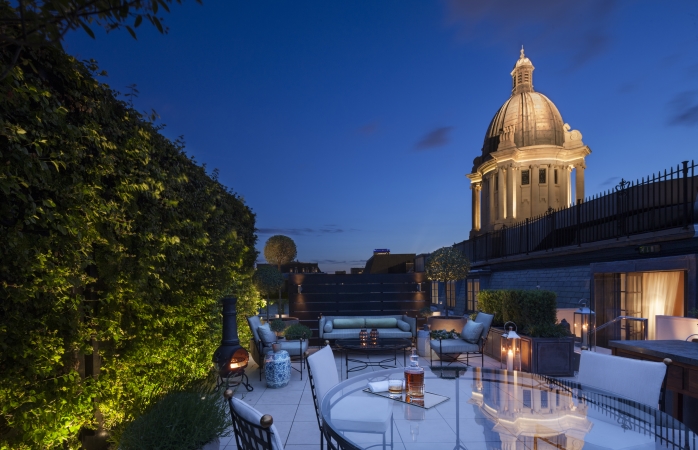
pixel 253 431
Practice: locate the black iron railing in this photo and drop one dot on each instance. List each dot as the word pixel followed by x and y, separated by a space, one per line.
pixel 658 202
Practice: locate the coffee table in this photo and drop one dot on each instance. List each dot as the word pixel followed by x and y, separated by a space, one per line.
pixel 355 346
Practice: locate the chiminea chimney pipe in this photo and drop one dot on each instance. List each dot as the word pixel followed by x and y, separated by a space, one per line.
pixel 230 323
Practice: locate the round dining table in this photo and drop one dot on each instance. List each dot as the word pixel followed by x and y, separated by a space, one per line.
pixel 484 408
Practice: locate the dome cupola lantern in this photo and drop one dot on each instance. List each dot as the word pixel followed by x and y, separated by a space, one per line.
pixel 522 75
pixel 529 160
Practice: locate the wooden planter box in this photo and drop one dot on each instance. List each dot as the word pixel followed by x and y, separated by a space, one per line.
pixel 544 356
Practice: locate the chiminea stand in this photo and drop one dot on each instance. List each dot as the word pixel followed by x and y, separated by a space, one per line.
pixel 229 381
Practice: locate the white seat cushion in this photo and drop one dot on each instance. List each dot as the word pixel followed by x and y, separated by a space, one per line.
pixel 366 415
pixel 250 414
pixel 634 379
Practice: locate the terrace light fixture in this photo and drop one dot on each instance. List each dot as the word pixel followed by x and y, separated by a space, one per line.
pixel 510 358
pixel 584 324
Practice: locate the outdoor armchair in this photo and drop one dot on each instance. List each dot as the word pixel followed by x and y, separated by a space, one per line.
pixel 261 345
pixel 459 350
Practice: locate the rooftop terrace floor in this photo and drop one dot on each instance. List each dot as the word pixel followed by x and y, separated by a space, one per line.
pixel 292 406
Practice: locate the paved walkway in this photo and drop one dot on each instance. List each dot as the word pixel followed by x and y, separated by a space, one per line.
pixel 292 406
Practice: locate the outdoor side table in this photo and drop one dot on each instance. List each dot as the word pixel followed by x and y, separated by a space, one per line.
pixel 366 349
pixel 423 344
pixel 277 369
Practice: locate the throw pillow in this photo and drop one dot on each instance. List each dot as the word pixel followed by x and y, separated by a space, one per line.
pixel 267 336
pixel 381 322
pixel 472 331
pixel 402 325
pixel 328 327
pixel 356 322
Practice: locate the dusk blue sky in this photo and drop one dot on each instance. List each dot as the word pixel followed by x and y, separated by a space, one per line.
pixel 350 125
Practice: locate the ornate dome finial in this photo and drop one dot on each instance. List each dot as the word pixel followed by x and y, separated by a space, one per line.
pixel 522 53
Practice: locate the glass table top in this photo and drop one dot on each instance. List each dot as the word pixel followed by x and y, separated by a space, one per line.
pixel 497 409
pixel 382 344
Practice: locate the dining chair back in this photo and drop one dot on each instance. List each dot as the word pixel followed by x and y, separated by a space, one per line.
pixel 322 364
pixel 640 381
pixel 253 430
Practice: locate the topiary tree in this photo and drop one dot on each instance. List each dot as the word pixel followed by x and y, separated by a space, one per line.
pixel 447 264
pixel 267 279
pixel 279 250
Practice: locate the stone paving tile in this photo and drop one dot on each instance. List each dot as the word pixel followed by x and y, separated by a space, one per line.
pixel 292 406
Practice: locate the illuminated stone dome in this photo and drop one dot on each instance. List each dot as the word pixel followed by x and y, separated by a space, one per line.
pixel 531 116
pixel 528 161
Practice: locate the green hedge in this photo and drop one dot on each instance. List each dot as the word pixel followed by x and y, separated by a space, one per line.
pixel 112 237
pixel 534 312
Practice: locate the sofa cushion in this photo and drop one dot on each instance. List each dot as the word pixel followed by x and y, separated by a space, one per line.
pixel 472 331
pixel 354 322
pixel 328 327
pixel 381 322
pixel 266 335
pixel 404 326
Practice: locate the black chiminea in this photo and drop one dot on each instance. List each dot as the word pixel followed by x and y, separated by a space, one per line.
pixel 230 357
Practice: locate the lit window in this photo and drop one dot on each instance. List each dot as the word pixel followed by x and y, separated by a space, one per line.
pixel 473 291
pixel 541 176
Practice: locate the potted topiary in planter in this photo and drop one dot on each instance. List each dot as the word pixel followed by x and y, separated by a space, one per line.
pixel 297 331
pixel 447 264
pixel 190 419
pixel 278 326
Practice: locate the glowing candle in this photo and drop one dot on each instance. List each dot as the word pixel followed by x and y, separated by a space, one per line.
pixel 510 360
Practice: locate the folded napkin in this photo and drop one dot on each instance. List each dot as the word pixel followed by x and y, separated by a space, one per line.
pixel 378 386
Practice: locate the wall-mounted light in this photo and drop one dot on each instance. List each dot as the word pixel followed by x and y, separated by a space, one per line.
pixel 300 289
pixel 419 286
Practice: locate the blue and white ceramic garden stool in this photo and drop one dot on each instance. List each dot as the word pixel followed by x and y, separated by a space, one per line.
pixel 277 369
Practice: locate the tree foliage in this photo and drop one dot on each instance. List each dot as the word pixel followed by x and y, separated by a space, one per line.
pixel 33 23
pixel 111 238
pixel 279 250
pixel 447 264
pixel 267 279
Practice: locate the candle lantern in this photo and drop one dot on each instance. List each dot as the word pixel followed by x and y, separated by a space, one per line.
pixel 363 336
pixel 511 348
pixel 374 336
pixel 584 324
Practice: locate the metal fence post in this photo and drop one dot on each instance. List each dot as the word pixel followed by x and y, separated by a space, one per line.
pixel 685 194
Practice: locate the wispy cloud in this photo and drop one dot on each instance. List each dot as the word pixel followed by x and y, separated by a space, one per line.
pixel 325 229
pixel 581 30
pixel 438 137
pixel 369 128
pixel 683 109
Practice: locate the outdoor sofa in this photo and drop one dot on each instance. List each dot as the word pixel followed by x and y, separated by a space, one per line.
pixel 348 327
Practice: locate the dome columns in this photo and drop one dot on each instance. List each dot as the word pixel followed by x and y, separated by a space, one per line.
pixel 476 218
pixel 579 182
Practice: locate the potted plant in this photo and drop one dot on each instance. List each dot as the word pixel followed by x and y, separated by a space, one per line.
pixel 267 279
pixel 447 264
pixel 278 326
pixel 190 419
pixel 424 314
pixel 547 348
pixel 297 331
pixel 280 249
